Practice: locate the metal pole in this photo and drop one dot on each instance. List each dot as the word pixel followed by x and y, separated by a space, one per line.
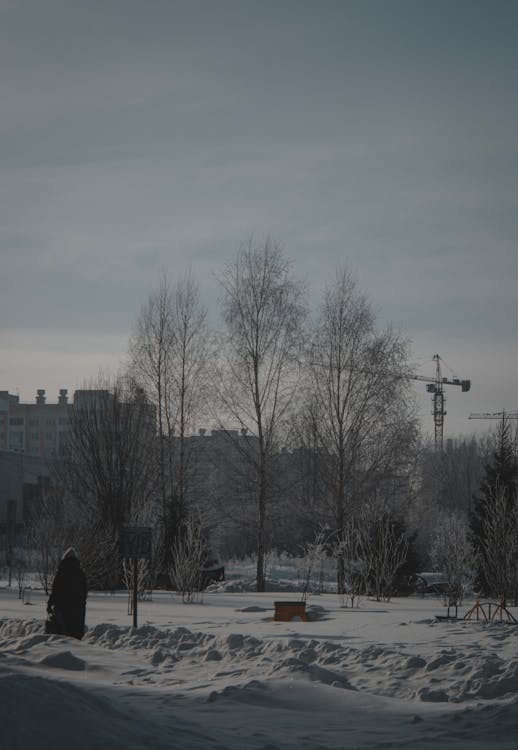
pixel 135 591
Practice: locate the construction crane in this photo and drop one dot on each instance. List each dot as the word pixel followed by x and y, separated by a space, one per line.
pixel 435 387
pixel 503 415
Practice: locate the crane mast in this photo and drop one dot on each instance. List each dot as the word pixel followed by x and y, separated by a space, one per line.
pixel 438 401
pixel 436 388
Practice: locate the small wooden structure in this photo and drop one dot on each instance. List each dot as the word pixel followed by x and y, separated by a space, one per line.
pixel 287 611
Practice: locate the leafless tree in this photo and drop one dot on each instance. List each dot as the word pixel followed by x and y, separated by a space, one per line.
pixel 499 546
pixel 109 474
pixel 494 517
pixel 21 565
pixel 168 353
pixel 361 404
pixel 384 548
pixel 144 580
pixel 348 550
pixel 189 376
pixel 263 311
pixel 188 555
pixel 452 553
pixel 151 354
pixel 449 480
pixel 45 533
pixel 314 554
pixel 307 500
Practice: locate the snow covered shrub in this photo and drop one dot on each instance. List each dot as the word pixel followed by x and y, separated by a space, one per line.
pixel 499 547
pixel 494 519
pixel 21 566
pixel 347 550
pixel 452 554
pixel 188 555
pixel 372 550
pixel 315 553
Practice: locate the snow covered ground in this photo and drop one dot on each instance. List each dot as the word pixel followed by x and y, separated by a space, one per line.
pixel 221 674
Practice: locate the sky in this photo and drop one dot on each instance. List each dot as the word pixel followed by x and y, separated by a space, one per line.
pixel 143 137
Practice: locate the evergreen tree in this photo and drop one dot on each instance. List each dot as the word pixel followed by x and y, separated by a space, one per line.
pixel 498 497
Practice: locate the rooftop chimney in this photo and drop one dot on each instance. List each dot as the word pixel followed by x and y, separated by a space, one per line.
pixel 40 396
pixel 63 396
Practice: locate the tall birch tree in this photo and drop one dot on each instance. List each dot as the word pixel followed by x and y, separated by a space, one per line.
pixel 150 352
pixel 263 311
pixel 360 401
pixel 168 357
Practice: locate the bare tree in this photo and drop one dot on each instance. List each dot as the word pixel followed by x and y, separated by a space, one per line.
pixel 452 553
pixel 110 471
pixel 144 579
pixel 348 550
pixel 188 556
pixel 46 534
pixel 499 544
pixel 450 480
pixel 384 548
pixel 361 405
pixel 306 496
pixel 168 353
pixel 314 554
pixel 150 352
pixel 21 565
pixel 494 515
pixel 188 378
pixel 263 311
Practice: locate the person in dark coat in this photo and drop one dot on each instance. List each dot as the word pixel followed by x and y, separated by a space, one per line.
pixel 67 601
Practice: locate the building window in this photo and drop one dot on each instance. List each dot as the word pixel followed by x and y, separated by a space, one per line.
pixel 15 421
pixel 16 441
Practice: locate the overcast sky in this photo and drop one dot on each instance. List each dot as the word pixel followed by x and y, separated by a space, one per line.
pixel 145 135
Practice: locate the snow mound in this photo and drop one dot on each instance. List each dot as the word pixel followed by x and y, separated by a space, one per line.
pixel 473 668
pixel 62 713
pixel 378 669
pixel 13 627
pixel 63 660
pixel 225 675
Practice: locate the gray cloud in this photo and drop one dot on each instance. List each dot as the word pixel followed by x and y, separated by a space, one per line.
pixel 140 137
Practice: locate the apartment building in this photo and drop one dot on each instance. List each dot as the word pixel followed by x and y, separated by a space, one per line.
pixel 37 429
pixel 35 436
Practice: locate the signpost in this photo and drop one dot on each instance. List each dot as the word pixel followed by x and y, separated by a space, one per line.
pixel 136 541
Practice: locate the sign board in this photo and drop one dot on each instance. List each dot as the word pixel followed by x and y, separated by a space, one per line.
pixel 136 542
